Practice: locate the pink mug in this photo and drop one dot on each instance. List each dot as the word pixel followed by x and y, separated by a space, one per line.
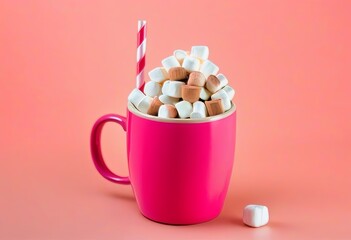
pixel 179 169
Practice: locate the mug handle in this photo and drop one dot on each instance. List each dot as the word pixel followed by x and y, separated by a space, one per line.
pixel 95 147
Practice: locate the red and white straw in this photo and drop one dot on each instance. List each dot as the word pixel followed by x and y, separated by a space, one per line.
pixel 141 49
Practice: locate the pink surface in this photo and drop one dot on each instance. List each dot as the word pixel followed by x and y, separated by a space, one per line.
pixel 65 63
pixel 179 169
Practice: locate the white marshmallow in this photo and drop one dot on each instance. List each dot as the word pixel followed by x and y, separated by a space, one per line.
pixel 144 104
pixel 184 109
pixel 255 215
pixel 152 89
pixel 221 94
pixel 170 62
pixel 167 111
pixel 158 74
pixel 230 91
pixel 222 79
pixel 204 94
pixel 201 52
pixel 180 55
pixel 209 68
pixel 174 89
pixel 136 96
pixel 199 110
pixel 165 85
pixel 168 100
pixel 191 64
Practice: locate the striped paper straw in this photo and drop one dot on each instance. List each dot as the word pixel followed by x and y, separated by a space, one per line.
pixel 141 48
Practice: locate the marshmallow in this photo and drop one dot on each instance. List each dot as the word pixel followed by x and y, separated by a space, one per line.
pixel 201 52
pixel 136 96
pixel 204 94
pixel 184 109
pixel 199 110
pixel 221 94
pixel 167 111
pixel 168 100
pixel 177 73
pixel 213 83
pixel 255 215
pixel 230 91
pixel 209 68
pixel 174 89
pixel 144 104
pixel 214 107
pixel 191 64
pixel 170 62
pixel 165 85
pixel 191 93
pixel 152 89
pixel 180 55
pixel 196 79
pixel 158 74
pixel 154 106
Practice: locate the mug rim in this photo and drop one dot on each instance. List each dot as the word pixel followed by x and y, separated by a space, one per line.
pixel 131 108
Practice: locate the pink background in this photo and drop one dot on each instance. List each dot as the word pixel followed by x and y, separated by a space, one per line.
pixel 65 63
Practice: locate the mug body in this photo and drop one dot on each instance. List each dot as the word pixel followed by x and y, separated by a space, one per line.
pixel 180 169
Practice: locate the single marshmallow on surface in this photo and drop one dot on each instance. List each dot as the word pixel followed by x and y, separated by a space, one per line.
pixel 180 55
pixel 191 64
pixel 177 73
pixel 144 105
pixel 191 93
pixel 170 62
pixel 201 52
pixel 255 215
pixel 197 79
pixel 168 100
pixel 214 107
pixel 204 94
pixel 158 74
pixel 165 86
pixel 184 109
pixel 214 83
pixel 152 89
pixel 167 111
pixel 154 106
pixel 174 89
pixel 199 110
pixel 136 96
pixel 221 94
pixel 230 91
pixel 209 68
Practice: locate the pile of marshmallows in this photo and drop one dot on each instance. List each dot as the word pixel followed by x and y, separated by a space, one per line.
pixel 187 86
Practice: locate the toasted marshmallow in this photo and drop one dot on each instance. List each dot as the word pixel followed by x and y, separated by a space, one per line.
pixel 152 89
pixel 221 94
pixel 199 110
pixel 201 52
pixel 168 100
pixel 158 74
pixel 184 109
pixel 204 94
pixel 209 68
pixel 214 107
pixel 167 111
pixel 174 89
pixel 191 64
pixel 177 73
pixel 136 96
pixel 154 106
pixel 196 79
pixel 213 83
pixel 144 105
pixel 170 62
pixel 255 215
pixel 180 55
pixel 191 93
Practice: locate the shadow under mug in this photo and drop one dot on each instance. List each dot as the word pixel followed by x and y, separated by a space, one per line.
pixel 179 169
